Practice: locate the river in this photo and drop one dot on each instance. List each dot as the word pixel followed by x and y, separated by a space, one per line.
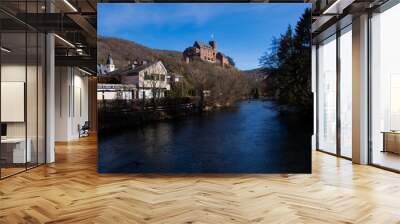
pixel 250 137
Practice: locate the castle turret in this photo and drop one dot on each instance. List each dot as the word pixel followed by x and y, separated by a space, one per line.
pixel 213 44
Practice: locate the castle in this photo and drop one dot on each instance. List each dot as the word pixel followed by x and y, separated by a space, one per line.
pixel 205 52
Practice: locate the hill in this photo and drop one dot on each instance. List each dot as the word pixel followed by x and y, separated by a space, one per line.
pixel 124 51
pixel 256 73
pixel 226 84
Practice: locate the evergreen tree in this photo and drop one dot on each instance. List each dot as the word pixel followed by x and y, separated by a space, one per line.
pixel 288 64
pixel 285 49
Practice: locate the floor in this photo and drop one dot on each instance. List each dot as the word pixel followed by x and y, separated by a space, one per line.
pixel 387 159
pixel 8 171
pixel 71 191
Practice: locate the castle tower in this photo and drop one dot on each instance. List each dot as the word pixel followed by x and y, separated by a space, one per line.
pixel 213 44
pixel 110 67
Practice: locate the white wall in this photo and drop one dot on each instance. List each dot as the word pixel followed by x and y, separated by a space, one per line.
pixel 16 73
pixel 80 104
pixel 71 102
pixel 33 126
pixel 62 78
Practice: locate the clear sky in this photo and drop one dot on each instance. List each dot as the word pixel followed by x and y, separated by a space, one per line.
pixel 242 30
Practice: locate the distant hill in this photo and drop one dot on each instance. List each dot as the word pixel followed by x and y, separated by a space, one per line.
pixel 256 73
pixel 124 51
pixel 253 71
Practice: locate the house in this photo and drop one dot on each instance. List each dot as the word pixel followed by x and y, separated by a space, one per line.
pixel 205 52
pixel 107 91
pixel 150 79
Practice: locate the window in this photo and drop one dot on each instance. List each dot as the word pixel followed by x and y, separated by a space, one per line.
pixel 346 92
pixel 385 88
pixel 327 95
pixel 22 67
pixel 147 76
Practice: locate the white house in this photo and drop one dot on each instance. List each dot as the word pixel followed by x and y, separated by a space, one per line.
pixel 116 92
pixel 150 79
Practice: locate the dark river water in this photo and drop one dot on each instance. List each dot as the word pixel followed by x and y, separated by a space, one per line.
pixel 248 138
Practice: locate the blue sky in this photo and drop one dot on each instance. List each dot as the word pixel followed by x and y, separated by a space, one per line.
pixel 242 30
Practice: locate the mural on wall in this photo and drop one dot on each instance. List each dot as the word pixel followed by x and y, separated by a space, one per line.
pixel 204 88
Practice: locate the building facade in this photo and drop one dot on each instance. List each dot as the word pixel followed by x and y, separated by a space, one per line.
pixel 205 52
pixel 223 60
pixel 150 79
pixel 116 92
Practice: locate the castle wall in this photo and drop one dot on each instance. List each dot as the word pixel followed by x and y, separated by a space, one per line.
pixel 208 54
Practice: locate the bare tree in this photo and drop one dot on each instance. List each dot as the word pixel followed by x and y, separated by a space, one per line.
pixel 199 80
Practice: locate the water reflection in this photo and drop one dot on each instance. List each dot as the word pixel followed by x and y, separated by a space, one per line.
pixel 249 138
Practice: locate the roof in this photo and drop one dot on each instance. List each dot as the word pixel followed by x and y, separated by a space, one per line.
pixel 202 44
pixel 222 54
pixel 132 71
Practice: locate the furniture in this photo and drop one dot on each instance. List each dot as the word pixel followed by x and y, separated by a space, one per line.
pixel 13 150
pixel 84 130
pixel 391 141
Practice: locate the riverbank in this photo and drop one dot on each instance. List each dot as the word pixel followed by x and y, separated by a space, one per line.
pixel 122 115
pixel 110 121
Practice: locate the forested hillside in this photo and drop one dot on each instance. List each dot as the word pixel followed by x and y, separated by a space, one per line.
pixel 226 85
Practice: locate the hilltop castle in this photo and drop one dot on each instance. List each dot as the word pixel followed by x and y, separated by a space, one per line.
pixel 205 52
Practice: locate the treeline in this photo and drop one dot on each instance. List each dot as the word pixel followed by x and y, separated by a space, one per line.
pixel 288 65
pixel 212 85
